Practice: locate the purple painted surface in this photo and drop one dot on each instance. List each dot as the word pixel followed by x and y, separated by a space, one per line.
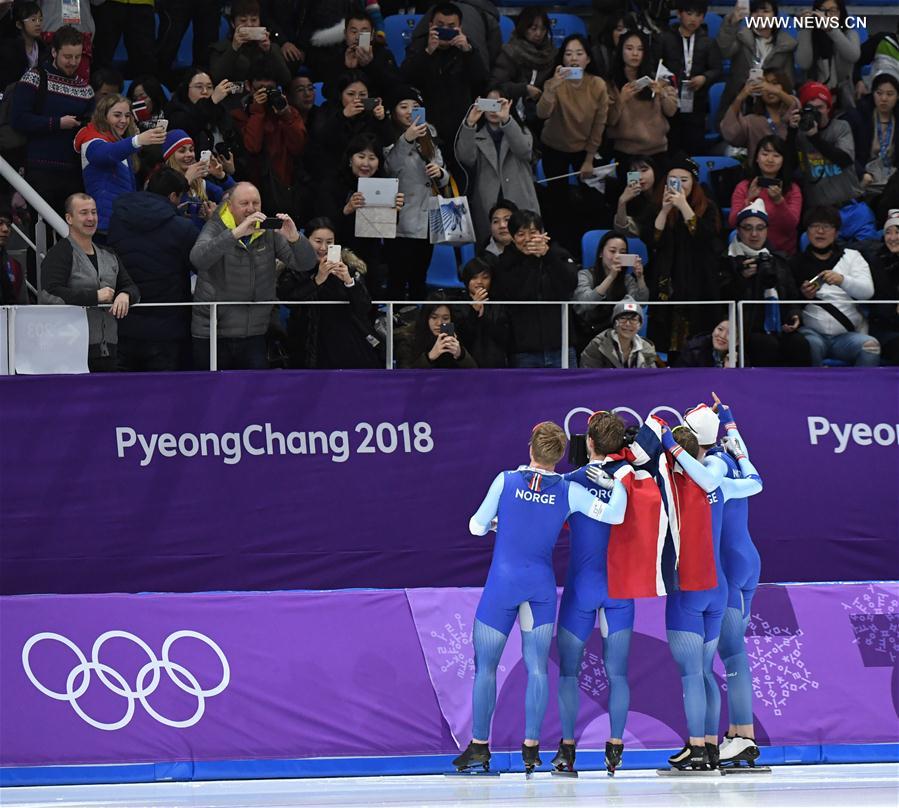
pixel 389 673
pixel 76 517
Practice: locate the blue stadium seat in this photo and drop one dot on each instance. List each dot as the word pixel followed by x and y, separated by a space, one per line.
pixel 715 91
pixel 564 25
pixel 398 29
pixel 466 252
pixel 590 241
pixel 506 26
pixel 443 272
pixel 713 23
pixel 319 98
pixel 712 162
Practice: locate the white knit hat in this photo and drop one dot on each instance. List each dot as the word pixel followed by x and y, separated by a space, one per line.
pixel 704 423
pixel 892 219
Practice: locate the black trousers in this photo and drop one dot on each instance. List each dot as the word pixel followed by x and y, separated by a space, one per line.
pixel 234 353
pixel 407 267
pixel 137 24
pixel 174 18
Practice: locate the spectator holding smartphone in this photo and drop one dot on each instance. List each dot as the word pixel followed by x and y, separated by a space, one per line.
pixel 829 55
pixel 207 179
pixel 109 147
pixel 495 148
pixel 621 346
pixel 198 107
pixel 431 342
pixel 636 199
pixel 772 107
pixel 331 337
pixel 640 108
pixel 248 50
pixel 835 278
pixel 771 180
pixel 416 161
pixel 484 329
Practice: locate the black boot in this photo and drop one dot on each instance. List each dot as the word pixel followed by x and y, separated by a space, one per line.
pixel 531 757
pixel 713 754
pixel 564 759
pixel 690 757
pixel 476 754
pixel 614 753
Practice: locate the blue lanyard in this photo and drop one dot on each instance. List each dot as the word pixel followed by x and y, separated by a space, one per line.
pixel 883 140
pixel 771 124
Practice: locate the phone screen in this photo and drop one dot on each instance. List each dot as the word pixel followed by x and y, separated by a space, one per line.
pixel 448 328
pixel 633 177
pixel 418 116
pixel 365 40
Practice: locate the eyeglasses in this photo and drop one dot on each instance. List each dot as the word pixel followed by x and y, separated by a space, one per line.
pixel 821 226
pixel 629 318
pixel 748 228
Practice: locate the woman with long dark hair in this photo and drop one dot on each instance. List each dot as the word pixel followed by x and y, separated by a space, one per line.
pixel 828 55
pixel 770 178
pixel 146 92
pixel 874 129
pixel 197 107
pixel 432 341
pixel 769 114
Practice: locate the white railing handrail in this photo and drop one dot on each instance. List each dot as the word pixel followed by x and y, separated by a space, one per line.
pixel 33 198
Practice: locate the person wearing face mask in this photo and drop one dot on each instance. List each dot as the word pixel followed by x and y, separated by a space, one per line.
pixel 500 238
pixel 834 278
pixel 770 332
pixel 108 146
pixel 607 280
pixel 828 55
pixel 873 121
pixel 707 350
pixel 431 342
pixel 773 105
pixel 763 46
pixel 525 62
pixel 636 196
pixel 484 329
pixel 200 108
pixel 771 180
pixel 638 117
pixel 621 346
pixel 883 258
pixel 495 149
pixel 332 337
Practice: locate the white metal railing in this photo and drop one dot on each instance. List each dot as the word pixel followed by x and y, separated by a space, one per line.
pixel 45 215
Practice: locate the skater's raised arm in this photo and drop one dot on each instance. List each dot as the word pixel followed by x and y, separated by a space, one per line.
pixel 580 500
pixel 707 475
pixel 479 524
pixel 751 483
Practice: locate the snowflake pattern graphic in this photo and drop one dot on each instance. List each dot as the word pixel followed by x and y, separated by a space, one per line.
pixel 592 679
pixel 776 664
pixel 456 649
pixel 874 615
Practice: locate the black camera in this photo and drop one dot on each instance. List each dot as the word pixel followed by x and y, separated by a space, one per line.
pixel 767 273
pixel 276 99
pixel 809 117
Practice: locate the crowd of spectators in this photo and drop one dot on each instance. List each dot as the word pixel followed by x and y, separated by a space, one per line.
pixel 226 182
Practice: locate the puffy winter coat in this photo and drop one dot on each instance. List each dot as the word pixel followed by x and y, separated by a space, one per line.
pixel 107 169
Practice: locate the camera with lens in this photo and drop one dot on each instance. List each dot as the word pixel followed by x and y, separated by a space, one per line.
pixel 766 270
pixel 276 99
pixel 809 117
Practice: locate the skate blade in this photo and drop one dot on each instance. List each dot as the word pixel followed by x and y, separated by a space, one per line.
pixel 745 770
pixel 688 772
pixel 563 773
pixel 472 773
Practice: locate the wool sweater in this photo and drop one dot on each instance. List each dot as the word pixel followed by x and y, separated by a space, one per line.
pixel 575 113
pixel 641 127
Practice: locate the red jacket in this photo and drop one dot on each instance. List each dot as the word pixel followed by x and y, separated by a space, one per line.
pixel 281 138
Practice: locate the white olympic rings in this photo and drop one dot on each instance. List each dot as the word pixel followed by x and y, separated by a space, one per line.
pixel 678 418
pixel 180 676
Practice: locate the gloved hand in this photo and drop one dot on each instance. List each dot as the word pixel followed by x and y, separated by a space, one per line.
pixel 494 523
pixel 596 475
pixel 668 440
pixel 735 447
pixel 727 417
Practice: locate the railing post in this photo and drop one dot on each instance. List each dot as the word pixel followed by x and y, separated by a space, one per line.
pixel 732 334
pixel 565 336
pixel 11 341
pixel 40 247
pixel 740 316
pixel 213 337
pixel 389 336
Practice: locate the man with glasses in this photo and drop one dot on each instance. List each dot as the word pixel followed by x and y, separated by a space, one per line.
pixel 770 332
pixel 834 277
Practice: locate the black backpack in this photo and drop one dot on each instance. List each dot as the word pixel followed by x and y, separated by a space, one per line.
pixel 10 138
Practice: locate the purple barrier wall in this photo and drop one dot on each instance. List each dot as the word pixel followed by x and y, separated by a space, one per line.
pixel 352 479
pixel 136 678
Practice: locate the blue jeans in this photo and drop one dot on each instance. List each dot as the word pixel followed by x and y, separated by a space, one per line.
pixel 845 347
pixel 544 359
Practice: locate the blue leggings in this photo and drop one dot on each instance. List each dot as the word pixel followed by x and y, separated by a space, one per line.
pixel 615 649
pixel 732 650
pixel 488 648
pixel 702 699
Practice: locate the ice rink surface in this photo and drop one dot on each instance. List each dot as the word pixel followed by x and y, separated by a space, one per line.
pixel 867 785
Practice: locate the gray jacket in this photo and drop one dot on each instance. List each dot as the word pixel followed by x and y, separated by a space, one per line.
pixel 508 175
pixel 846 51
pixel 604 352
pixel 586 292
pixel 403 161
pixel 228 269
pixel 823 181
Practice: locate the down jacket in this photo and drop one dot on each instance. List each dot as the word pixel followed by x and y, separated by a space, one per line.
pixel 106 166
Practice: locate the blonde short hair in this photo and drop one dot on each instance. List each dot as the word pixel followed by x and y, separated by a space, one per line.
pixel 548 443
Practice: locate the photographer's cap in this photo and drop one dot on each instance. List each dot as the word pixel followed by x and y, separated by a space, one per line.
pixel 627 305
pixel 812 90
pixel 704 423
pixel 892 219
pixel 757 209
pixel 174 140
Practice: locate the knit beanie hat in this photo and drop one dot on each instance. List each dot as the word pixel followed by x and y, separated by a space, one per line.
pixel 174 140
pixel 679 161
pixel 756 209
pixel 812 90
pixel 892 219
pixel 403 92
pixel 627 305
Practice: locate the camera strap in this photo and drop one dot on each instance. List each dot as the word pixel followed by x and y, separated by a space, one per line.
pixel 837 315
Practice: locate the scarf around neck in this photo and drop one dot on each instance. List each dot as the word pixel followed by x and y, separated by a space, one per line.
pixel 532 57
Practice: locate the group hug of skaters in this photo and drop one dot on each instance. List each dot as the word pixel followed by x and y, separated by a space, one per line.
pixel 651 512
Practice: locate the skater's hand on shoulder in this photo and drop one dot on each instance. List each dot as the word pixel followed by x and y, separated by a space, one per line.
pixel 596 475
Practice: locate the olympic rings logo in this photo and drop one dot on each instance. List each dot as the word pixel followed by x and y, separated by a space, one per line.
pixel 673 417
pixel 180 676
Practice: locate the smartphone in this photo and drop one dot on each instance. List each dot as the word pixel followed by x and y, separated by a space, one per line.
pixel 333 256
pixel 222 150
pixel 642 83
pixel 633 177
pixel 818 280
pixel 163 124
pixel 418 116
pixel 205 156
pixel 271 223
pixel 488 104
pixel 627 259
pixel 365 40
pixel 446 34
pixel 768 182
pixel 369 104
pixel 235 87
pixel 756 74
pixel 674 183
pixel 574 73
pixel 448 328
pixel 252 32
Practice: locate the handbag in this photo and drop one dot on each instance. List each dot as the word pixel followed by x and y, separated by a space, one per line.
pixel 449 218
